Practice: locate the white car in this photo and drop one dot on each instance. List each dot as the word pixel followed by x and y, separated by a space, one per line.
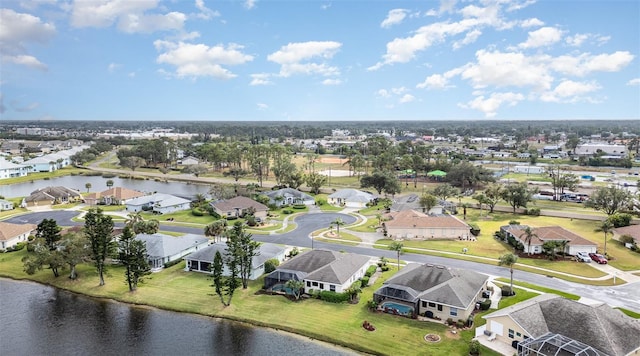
pixel 583 257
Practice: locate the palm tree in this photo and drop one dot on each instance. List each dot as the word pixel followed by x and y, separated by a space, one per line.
pixel 606 227
pixel 88 186
pixel 215 229
pixel 133 218
pixel 109 183
pixel 508 260
pixel 397 246
pixel 528 236
pixel 338 222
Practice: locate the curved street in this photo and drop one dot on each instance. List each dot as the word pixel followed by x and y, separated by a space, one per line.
pixel 626 296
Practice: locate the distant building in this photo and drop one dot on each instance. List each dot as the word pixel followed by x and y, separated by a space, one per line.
pixel 591 149
pixel 575 243
pixel 158 203
pixel 12 170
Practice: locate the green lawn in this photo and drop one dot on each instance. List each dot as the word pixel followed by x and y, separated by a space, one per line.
pixel 506 281
pixel 630 313
pixel 175 289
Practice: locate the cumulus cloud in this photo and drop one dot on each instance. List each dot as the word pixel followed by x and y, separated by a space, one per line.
pixel 306 58
pixel 586 63
pixel 262 106
pixel 407 98
pixel 469 38
pixel 260 79
pixel 112 67
pixel 400 95
pixel 17 32
pixel 534 22
pixel 569 91
pixel 490 105
pixel 198 60
pixel 249 4
pixel 542 37
pixel 130 16
pixel 383 93
pixel 331 82
pixel 502 69
pixel 205 13
pixel 635 81
pixel 394 17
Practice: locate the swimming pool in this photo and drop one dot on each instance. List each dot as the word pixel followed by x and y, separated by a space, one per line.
pixel 396 308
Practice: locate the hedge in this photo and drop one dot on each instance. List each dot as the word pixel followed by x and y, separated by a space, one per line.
pixel 333 297
pixel 370 271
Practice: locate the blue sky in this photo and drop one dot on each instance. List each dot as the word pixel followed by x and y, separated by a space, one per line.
pixel 319 60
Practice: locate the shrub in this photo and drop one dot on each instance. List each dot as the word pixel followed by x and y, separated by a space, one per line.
pixel 251 220
pixel 475 229
pixel 196 212
pixel 232 217
pixel 626 239
pixel 294 252
pixel 333 297
pixel 474 347
pixel 365 281
pixel 321 201
pixel 506 291
pixel 485 304
pixel 514 222
pixel 299 206
pixel 500 235
pixel 287 211
pixel 460 324
pixel 17 247
pixel 370 271
pixel 620 219
pixel 450 321
pixel 270 265
pixel 371 304
pixel 172 263
pixel 533 211
pixel 272 206
pixel 384 268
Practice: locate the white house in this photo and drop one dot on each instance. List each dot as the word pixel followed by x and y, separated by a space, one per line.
pixel 574 244
pixel 6 205
pixel 289 196
pixel 589 149
pixel 190 160
pixel 201 260
pixel 529 169
pixel 158 203
pixel 163 248
pixel 11 234
pixel 12 170
pixel 351 198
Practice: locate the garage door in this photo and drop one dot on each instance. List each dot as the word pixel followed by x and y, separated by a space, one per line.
pixel 496 328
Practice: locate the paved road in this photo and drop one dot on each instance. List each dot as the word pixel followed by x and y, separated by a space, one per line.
pixel 626 296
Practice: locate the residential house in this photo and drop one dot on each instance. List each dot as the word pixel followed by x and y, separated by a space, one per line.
pixel 609 150
pixel 238 207
pixel 163 248
pixel 201 260
pixel 351 198
pixel 412 224
pixel 51 195
pixel 6 205
pixel 112 196
pixel 574 244
pixel 189 160
pixel 432 291
pixel 12 170
pixel 560 326
pixel 320 270
pixel 289 196
pixel 158 203
pixel 412 202
pixel 11 234
pixel 631 230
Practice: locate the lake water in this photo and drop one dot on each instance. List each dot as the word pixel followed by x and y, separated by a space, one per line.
pixel 41 320
pixel 99 184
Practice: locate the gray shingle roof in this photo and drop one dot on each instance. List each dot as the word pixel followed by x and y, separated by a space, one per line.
pixel 288 192
pixel 161 245
pixel 310 260
pixel 159 199
pixel 353 195
pixel 267 251
pixel 455 287
pixel 238 202
pixel 340 270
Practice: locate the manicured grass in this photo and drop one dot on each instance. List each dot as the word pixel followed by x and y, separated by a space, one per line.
pixel 45 175
pixel 630 313
pixel 105 208
pixel 540 288
pixel 16 211
pixel 366 227
pixel 64 206
pixel 183 216
pixel 175 289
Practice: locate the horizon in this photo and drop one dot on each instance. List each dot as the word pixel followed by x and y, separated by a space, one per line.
pixel 286 61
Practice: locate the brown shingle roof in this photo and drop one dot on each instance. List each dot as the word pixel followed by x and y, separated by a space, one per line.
pixel 631 230
pixel 9 230
pixel 119 193
pixel 416 219
pixel 551 233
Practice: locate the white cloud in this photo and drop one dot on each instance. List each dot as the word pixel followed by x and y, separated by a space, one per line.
pixel 394 17
pixel 435 81
pixel 249 4
pixel 533 22
pixel 489 106
pixel 585 63
pixel 383 93
pixel 112 67
pixel 502 69
pixel 325 6
pixel 635 81
pixel 569 91
pixel 542 37
pixel 262 106
pixel 196 60
pixel 132 74
pixel 17 31
pixel 469 38
pixel 205 13
pixel 332 82
pixel 130 16
pixel 407 98
pixel 260 79
pixel 295 58
pixel 517 5
pixel 577 40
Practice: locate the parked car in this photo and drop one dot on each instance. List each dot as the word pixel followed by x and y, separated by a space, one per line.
pixel 598 258
pixel 583 257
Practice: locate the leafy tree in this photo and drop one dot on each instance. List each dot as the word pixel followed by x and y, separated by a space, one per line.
pixel 517 195
pixel 315 181
pixel 445 190
pixel 550 247
pixel 354 290
pixel 218 280
pixel 132 162
pixel 609 200
pixel 215 229
pixel 508 260
pixel 381 181
pixel 296 286
pixel 466 175
pixel 133 255
pixel 397 246
pixel 99 230
pixel 294 179
pixel 47 248
pixel 427 202
pixel 241 250
pixel 109 183
pixel 493 194
pixel 606 227
pixel 140 226
pixel 75 250
pixel 236 173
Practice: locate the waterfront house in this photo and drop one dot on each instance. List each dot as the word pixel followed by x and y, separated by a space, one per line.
pixel 201 260
pixel 562 327
pixel 12 170
pixel 11 234
pixel 412 224
pixel 6 205
pixel 163 248
pixel 320 270
pixel 288 196
pixel 575 243
pixel 351 198
pixel 112 196
pixel 432 291
pixel 239 206
pixel 50 196
pixel 158 203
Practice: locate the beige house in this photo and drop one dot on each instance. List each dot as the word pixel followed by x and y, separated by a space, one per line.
pixel 238 206
pixel 350 198
pixel 432 291
pixel 112 196
pixel 412 224
pixel 574 245
pixel 631 230
pixel 548 318
pixel 11 234
pixel 51 195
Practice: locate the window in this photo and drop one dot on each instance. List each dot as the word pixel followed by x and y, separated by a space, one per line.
pixel 432 305
pixel 308 284
pixel 424 304
pixel 511 333
pixel 332 288
pixel 453 311
pixel 439 307
pixel 315 284
pixel 321 285
pixel 518 334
